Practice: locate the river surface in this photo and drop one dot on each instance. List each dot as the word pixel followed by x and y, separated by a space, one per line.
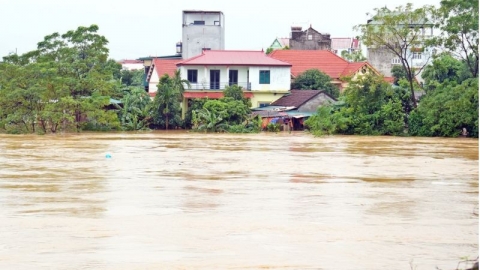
pixel 178 200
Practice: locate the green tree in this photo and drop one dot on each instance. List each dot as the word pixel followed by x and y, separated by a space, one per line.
pixel 193 106
pixel 444 67
pixel 209 121
pixel 166 103
pixel 179 84
pixel 399 31
pixel 69 71
pixel 228 114
pixel 134 114
pixel 314 79
pixel 370 107
pixel 236 92
pixel 398 73
pixel 458 21
pixel 322 122
pixel 447 110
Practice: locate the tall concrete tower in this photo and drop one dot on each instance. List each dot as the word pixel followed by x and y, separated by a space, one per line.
pixel 202 30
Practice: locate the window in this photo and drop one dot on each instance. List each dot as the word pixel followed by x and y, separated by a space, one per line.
pixel 199 22
pixel 262 104
pixel 417 55
pixel 216 22
pixel 396 61
pixel 264 76
pixel 232 77
pixel 310 37
pixel 192 75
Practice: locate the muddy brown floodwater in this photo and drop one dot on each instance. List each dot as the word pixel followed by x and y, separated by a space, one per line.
pixel 177 200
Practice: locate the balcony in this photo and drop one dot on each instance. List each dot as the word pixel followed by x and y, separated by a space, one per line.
pixel 218 85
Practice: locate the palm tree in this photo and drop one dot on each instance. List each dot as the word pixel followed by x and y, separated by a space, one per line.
pixel 178 84
pixel 166 95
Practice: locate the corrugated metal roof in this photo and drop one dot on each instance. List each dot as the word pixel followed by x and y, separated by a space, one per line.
pixel 341 43
pixel 233 58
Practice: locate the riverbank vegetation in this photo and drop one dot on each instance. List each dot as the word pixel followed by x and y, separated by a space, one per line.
pixel 69 84
pixel 448 101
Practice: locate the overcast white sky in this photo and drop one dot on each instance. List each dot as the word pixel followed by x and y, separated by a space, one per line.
pixel 152 27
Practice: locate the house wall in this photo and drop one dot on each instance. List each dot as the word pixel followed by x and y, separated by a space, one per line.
pixel 267 97
pixel 197 37
pixel 382 60
pixel 152 84
pixel 279 77
pixel 313 104
pixel 300 41
pixel 203 76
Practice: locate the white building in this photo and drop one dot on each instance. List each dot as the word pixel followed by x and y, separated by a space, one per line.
pixel 263 78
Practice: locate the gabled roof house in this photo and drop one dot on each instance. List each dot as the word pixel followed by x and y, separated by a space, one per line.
pixel 296 106
pixel 280 43
pixel 157 69
pixel 325 61
pixel 304 100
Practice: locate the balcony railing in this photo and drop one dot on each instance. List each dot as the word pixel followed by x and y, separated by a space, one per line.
pixel 219 85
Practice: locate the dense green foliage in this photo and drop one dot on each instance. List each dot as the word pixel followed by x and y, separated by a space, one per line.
pixel 135 111
pixel 65 84
pixel 451 102
pixel 444 68
pixel 314 79
pixel 370 107
pixel 166 104
pixel 228 114
pixel 458 22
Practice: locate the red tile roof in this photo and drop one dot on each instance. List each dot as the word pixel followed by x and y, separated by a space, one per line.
pixel 297 98
pixel 323 60
pixel 303 60
pixel 233 58
pixel 168 66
